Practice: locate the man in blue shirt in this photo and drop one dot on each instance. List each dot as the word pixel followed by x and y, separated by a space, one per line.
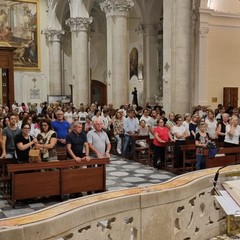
pixel 130 131
pixel 62 128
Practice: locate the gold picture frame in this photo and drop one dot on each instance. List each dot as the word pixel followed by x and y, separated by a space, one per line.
pixel 19 27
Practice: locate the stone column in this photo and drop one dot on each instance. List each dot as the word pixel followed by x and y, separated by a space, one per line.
pixel 151 77
pixel 80 59
pixel 177 27
pixel 55 64
pixel 117 51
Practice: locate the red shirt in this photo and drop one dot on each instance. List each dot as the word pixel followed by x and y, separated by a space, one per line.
pixel 162 134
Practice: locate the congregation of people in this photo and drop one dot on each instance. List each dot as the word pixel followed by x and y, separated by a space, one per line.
pixel 87 131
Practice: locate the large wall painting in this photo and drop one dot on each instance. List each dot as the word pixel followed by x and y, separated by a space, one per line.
pixel 19 28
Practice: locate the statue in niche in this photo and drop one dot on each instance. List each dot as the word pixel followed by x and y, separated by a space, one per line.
pixel 134 63
pixel 135 98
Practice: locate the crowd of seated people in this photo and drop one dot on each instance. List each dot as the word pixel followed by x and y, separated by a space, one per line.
pixel 22 123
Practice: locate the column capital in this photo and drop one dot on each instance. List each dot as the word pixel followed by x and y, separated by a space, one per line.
pixel 79 23
pixel 117 7
pixel 53 35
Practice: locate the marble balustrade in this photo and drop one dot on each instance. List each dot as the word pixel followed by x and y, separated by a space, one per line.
pixel 183 208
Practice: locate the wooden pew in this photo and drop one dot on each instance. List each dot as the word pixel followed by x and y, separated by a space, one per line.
pixel 138 156
pixel 189 157
pixel 33 180
pixel 224 156
pixel 4 176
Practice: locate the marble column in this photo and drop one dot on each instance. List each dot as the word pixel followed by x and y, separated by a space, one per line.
pixel 117 50
pixel 55 64
pixel 177 29
pixel 80 59
pixel 151 75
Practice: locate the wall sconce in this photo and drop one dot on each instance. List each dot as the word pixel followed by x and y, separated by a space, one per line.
pixel 140 72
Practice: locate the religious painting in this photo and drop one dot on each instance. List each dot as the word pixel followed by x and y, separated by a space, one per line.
pixel 134 63
pixel 19 29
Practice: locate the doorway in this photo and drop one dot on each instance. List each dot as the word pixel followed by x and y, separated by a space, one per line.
pixel 98 92
pixel 230 97
pixel 6 76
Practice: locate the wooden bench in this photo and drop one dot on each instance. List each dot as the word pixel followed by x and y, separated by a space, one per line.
pixel 138 156
pixel 224 157
pixel 5 177
pixel 34 180
pixel 189 157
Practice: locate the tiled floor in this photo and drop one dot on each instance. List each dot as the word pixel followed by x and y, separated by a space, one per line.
pixel 121 174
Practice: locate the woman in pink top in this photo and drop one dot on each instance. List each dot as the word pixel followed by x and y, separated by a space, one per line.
pixel 161 136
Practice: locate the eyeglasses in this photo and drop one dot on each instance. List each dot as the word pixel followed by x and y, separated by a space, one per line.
pixel 26 128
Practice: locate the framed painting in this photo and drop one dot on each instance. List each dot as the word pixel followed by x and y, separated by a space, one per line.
pixel 19 28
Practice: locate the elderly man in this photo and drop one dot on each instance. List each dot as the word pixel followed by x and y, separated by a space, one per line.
pixel 98 141
pixel 75 141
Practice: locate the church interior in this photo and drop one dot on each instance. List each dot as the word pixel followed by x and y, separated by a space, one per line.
pixel 177 54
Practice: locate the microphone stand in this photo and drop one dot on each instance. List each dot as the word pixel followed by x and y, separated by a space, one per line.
pixel 215 180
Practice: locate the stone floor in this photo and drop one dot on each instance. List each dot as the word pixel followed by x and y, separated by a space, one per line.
pixel 121 174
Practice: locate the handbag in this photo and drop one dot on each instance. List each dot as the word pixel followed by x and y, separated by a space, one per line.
pixel 212 149
pixel 34 155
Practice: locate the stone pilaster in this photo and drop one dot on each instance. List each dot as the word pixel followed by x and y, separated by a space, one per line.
pixel 201 90
pixel 117 50
pixel 80 59
pixel 55 65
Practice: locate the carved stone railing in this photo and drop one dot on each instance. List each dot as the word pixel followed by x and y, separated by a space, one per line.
pixel 183 208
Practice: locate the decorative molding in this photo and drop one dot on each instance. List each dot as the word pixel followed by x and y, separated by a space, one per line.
pixel 203 32
pixel 117 7
pixel 79 23
pixel 166 66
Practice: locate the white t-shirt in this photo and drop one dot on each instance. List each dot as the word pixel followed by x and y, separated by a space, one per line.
pixel 186 125
pixel 68 117
pixel 179 130
pixel 82 117
pixel 232 139
pixel 211 128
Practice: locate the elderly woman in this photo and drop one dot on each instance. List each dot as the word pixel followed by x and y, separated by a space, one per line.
pixel 23 143
pixel 118 129
pixel 47 140
pixel 221 129
pixel 232 133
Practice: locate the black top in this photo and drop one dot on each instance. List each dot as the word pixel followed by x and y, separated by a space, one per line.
pixel 192 127
pixel 77 142
pixel 22 155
